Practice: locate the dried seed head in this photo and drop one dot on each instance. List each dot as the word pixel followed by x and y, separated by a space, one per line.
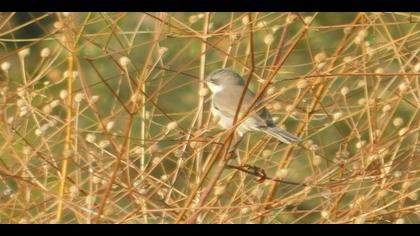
pixel 39 132
pixel 245 20
pixel 320 57
pixel 402 131
pixel 5 66
pixel 63 94
pixel 162 51
pixel 164 178
pixel 268 39
pixel 344 91
pixel 379 70
pixel 398 121
pixel 386 108
pixel 307 20
pixel 47 109
pixel 417 67
pixel 45 52
pixel 124 61
pixel 325 214
pixel 290 108
pixel 79 97
pixel 290 18
pixel 109 125
pixel 400 221
pixel 24 52
pixel 403 87
pixel 261 24
pixel 90 138
pixel 171 125
pixel 337 115
pixel 397 174
pixel 360 144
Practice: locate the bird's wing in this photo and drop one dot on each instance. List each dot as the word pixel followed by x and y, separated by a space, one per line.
pixel 227 103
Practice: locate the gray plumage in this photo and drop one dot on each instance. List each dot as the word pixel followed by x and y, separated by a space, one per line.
pixel 227 87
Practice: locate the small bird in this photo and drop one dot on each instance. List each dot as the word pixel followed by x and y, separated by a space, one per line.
pixel 227 87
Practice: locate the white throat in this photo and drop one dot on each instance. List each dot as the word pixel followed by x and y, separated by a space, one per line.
pixel 214 88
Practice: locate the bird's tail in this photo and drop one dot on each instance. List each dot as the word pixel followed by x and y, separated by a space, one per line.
pixel 281 135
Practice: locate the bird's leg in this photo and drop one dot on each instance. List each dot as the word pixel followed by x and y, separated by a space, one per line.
pixel 234 145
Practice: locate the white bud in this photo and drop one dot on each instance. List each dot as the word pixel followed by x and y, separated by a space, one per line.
pixel 94 98
pixel 164 178
pixel 171 125
pixel 379 70
pixel 47 109
pixel 337 115
pixel 290 18
pixel 402 131
pixel 307 20
pixel 90 138
pixel 400 221
pixel 398 121
pixel 261 24
pixel 124 61
pixel 162 51
pixel 290 108
pixel 245 20
pixel 268 39
pixel 110 125
pixel 79 97
pixel 302 83
pixel 27 150
pixel 275 28
pixel 360 144
pixel 403 87
pixel 24 52
pixel 5 66
pixel 325 214
pixel 38 132
pixel 344 91
pixel 45 52
pixel 386 108
pixel 63 94
pixel 320 57
pixel 417 67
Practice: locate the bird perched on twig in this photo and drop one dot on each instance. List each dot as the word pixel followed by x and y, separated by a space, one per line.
pixel 227 87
